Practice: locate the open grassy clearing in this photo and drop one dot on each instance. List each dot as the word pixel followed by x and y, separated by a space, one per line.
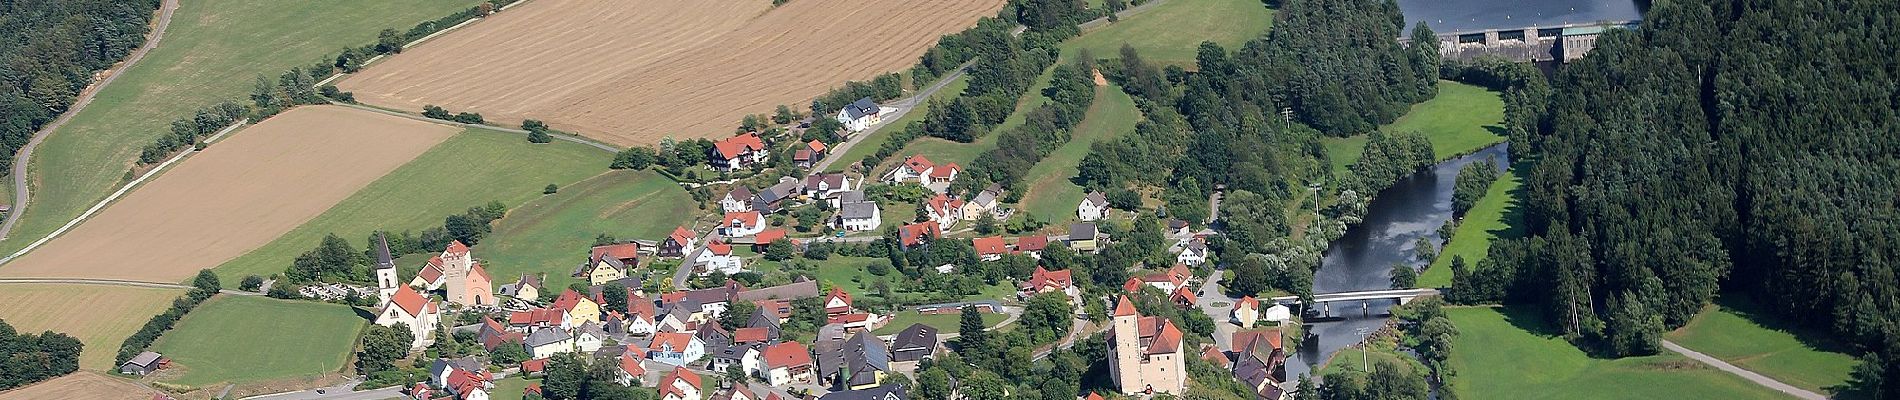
pixel 239 339
pixel 81 385
pixel 1351 359
pixel 870 144
pixel 1732 332
pixel 1461 119
pixel 1496 216
pixel 235 195
pixel 621 71
pixel 1498 358
pixel 212 52
pixel 1163 34
pixel 945 323
pixel 510 388
pixel 468 170
pixel 1051 196
pixel 100 316
pixel 551 234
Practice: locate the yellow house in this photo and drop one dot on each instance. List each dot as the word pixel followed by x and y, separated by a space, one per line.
pixel 605 269
pixel 579 308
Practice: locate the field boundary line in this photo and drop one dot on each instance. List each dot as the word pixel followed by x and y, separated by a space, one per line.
pixel 21 190
pixel 562 136
pixel 116 194
pixel 113 282
pixel 413 43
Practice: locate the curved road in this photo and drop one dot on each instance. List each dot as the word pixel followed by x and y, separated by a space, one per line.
pixel 903 106
pixel 20 189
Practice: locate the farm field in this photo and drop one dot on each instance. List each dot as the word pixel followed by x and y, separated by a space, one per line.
pixel 280 339
pixel 112 313
pixel 947 323
pixel 81 385
pixel 469 169
pixel 1731 332
pixel 870 144
pixel 551 234
pixel 1496 216
pixel 267 179
pixel 1461 119
pixel 1496 358
pixel 1051 196
pixel 622 71
pixel 1158 36
pixel 213 51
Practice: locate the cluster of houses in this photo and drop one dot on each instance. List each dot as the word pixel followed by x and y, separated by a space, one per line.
pixel 747 149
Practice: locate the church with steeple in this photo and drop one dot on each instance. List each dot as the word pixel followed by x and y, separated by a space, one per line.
pixel 459 276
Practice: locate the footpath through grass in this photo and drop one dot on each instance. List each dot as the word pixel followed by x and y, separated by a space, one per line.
pixel 1733 332
pixel 467 170
pixel 552 233
pixel 1508 353
pixel 213 51
pixel 1051 196
pixel 1499 215
pixel 1461 119
pixel 1172 32
pixel 240 339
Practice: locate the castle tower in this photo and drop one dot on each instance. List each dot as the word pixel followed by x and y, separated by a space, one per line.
pixel 455 263
pixel 1125 368
pixel 386 281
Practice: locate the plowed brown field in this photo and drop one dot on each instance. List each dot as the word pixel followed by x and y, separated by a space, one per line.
pixel 239 194
pixel 81 385
pixel 633 71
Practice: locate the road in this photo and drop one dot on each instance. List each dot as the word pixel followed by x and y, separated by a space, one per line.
pixel 1209 294
pixel 115 282
pixel 21 193
pixel 903 106
pixel 1751 376
pixel 338 392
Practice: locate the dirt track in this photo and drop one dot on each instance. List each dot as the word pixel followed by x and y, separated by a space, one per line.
pixel 632 72
pixel 239 194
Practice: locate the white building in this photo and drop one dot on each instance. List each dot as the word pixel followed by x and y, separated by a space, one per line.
pixel 858 217
pixel 413 310
pixel 718 256
pixel 739 199
pixel 742 224
pixel 860 115
pixel 1093 207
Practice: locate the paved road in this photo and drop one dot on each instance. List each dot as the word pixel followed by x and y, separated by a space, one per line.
pixel 1210 293
pixel 114 282
pixel 1751 376
pixel 903 106
pixel 338 392
pixel 21 192
pixel 558 136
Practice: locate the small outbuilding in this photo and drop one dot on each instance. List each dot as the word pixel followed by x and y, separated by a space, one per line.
pixel 144 363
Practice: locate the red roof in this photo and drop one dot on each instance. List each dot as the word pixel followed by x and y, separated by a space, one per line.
pixel 749 335
pixel 945 172
pixel 409 301
pixel 1184 296
pixel 678 340
pixel 816 146
pixel 719 248
pixel 630 363
pixel 735 146
pixel 621 251
pixel 787 354
pixel 1093 396
pixel 1243 340
pixel 993 245
pixel 1032 243
pixel 768 236
pixel 746 219
pixel 1214 355
pixel 535 365
pixel 432 271
pixel 639 305
pixel 538 316
pixel 913 234
pixel 838 293
pixel 1044 278
pixel 476 270
pixel 917 163
pixel 850 318
pixel 569 298
pixel 681 235
pixel 1125 308
pixel 679 374
pixel 1248 302
pixel 1167 341
pixel 463 381
pixel 533 388
pixel 456 247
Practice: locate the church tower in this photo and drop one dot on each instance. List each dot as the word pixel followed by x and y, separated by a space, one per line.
pixel 386 281
pixel 1125 352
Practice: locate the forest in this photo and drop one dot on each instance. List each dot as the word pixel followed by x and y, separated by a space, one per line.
pixel 52 50
pixel 1744 149
pixel 29 357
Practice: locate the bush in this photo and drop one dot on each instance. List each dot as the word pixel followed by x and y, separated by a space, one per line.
pixel 551 189
pixel 251 283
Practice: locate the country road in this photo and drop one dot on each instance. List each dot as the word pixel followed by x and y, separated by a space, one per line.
pixel 114 282
pixel 1751 376
pixel 20 160
pixel 903 106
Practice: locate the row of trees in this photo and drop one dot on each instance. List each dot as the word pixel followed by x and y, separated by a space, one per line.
pixel 33 357
pixel 1473 181
pixel 51 51
pixel 1071 89
pixel 188 131
pixel 335 259
pixel 203 287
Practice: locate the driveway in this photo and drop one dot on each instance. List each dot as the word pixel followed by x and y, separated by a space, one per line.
pixel 1210 293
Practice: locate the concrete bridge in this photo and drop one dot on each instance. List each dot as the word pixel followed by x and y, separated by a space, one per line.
pixel 1560 43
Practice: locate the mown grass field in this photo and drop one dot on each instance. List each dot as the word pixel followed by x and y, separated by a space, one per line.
pixel 945 323
pixel 1051 196
pixel 1496 357
pixel 100 316
pixel 1496 216
pixel 468 170
pixel 870 144
pixel 213 51
pixel 552 233
pixel 1733 333
pixel 239 339
pixel 1171 32
pixel 1461 119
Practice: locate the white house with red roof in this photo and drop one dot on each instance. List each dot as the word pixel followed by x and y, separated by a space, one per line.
pixel 410 308
pixel 676 348
pixel 1044 281
pixel 459 276
pixel 1175 277
pixel 679 243
pixel 631 368
pixel 942 209
pixel 921 170
pixel 990 248
pixel 739 151
pixel 809 154
pixel 913 235
pixel 787 362
pixel 837 302
pixel 1146 355
pixel 1246 311
pixel 680 384
pixel 741 224
pixel 718 257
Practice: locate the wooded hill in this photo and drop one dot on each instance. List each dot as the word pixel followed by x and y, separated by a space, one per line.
pixel 49 51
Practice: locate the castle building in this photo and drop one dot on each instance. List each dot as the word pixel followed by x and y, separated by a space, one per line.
pixel 1146 355
pixel 461 278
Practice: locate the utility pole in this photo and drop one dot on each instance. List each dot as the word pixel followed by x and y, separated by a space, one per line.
pixel 1286 115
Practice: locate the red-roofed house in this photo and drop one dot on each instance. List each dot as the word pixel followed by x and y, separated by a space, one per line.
pixel 1175 277
pixel 738 151
pixel 837 302
pixel 676 348
pixel 741 224
pixel 680 384
pixel 539 318
pixel 535 366
pixel 628 253
pixel 918 233
pixel 787 362
pixel 945 173
pixel 410 308
pixel 1213 355
pixel 1044 281
pixel 630 368
pixel 718 257
pixel 914 169
pixel 1246 311
pixel 465 281
pixel 1183 297
pixel 990 248
pixel 766 237
pixel 1145 353
pixel 808 155
pixel 677 244
pixel 467 385
pixel 944 210
pixel 1032 245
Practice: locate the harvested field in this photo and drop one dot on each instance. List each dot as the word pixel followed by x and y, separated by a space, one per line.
pixel 112 313
pixel 239 194
pixel 81 385
pixel 632 72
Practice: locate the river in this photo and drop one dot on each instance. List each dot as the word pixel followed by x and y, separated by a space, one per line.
pixel 1363 258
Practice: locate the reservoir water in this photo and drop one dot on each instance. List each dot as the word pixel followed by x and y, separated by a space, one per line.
pixel 1446 16
pixel 1363 258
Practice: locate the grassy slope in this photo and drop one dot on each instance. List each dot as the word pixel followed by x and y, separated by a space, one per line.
pixel 1734 335
pixel 1051 196
pixel 212 52
pixel 945 323
pixel 870 144
pixel 1496 216
pixel 1497 358
pixel 551 234
pixel 1159 33
pixel 240 339
pixel 468 170
pixel 1460 120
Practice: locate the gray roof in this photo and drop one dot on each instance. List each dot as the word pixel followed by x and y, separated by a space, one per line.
pixel 1082 231
pixel 383 259
pixel 835 180
pixel 858 210
pixel 143 359
pixel 851 196
pixel 1097 198
pixel 915 342
pixel 591 327
pixel 740 193
pixel 860 108
pixel 886 392
pixel 863 353
pixel 545 336
pixel 985 199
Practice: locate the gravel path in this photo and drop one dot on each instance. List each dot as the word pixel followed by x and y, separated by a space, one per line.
pixel 1751 376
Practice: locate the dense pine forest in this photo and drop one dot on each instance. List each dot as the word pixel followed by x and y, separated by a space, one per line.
pixel 1744 148
pixel 51 50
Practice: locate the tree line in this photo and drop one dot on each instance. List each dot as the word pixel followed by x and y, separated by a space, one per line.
pixel 1701 154
pixel 334 259
pixel 1071 89
pixel 204 286
pixel 52 50
pixel 31 357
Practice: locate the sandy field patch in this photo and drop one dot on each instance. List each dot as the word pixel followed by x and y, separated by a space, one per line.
pixel 634 71
pixel 239 194
pixel 100 316
pixel 81 385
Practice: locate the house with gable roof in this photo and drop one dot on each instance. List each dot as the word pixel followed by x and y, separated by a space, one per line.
pixel 740 151
pixel 718 256
pixel 787 362
pixel 528 288
pixel 912 345
pixel 1193 253
pixel 579 309
pixel 921 170
pixel 678 243
pixel 459 275
pixel 410 308
pixel 863 361
pixel 739 199
pixel 1032 245
pixel 1094 206
pixel 1246 311
pixel 944 210
pixel 1045 281
pixel 631 368
pixel 828 187
pixel 918 234
pixel 600 269
pixel 990 248
pixel 860 115
pixel 676 348
pixel 680 384
pixel 837 302
pixel 808 155
pixel 741 224
pixel 858 217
